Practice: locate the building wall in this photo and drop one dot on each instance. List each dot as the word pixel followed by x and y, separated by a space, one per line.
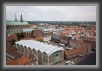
pixel 64 40
pixel 92 43
pixel 43 58
pixel 16 28
pixel 47 34
pixel 76 51
pixel 38 32
pixel 55 38
pixel 40 58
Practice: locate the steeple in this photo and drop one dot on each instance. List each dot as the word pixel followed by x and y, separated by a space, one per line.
pixel 15 18
pixel 21 18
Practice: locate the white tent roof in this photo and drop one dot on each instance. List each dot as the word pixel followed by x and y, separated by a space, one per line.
pixel 19 41
pixel 48 49
pixel 32 43
pixel 34 46
pixel 45 48
pixel 22 42
pixel 39 47
pixel 60 48
pixel 28 42
pixel 51 49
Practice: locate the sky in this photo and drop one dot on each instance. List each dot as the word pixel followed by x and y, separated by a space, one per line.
pixel 52 13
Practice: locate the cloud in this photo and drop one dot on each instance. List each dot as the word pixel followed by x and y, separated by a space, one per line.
pixel 68 13
pixel 32 14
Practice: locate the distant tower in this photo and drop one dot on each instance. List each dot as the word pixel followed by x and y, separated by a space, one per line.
pixel 21 18
pixel 15 18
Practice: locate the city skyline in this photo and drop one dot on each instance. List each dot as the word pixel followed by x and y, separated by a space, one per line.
pixel 52 13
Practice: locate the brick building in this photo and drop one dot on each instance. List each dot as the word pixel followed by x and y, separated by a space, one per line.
pixel 75 52
pixel 79 44
pixel 17 26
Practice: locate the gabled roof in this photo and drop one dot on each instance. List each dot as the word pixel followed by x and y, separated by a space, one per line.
pixel 20 61
pixel 90 39
pixel 79 42
pixel 75 51
pixel 12 52
pixel 76 36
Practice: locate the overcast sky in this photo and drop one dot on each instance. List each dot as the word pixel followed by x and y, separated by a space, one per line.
pixel 52 13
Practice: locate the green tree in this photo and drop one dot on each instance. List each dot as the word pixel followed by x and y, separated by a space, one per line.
pixel 41 40
pixel 12 41
pixel 20 35
pixel 34 36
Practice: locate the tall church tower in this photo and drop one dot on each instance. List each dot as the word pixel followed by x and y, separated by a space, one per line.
pixel 15 18
pixel 21 18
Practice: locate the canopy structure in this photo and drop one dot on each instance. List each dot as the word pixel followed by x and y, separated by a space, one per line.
pixel 39 46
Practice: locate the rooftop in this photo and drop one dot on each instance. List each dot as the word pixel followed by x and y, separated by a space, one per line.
pixel 40 45
pixel 20 61
pixel 16 23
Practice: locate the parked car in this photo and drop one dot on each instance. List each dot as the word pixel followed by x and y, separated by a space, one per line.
pixel 70 62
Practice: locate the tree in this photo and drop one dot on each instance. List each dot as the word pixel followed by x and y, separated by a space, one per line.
pixel 41 40
pixel 69 38
pixel 12 41
pixel 34 36
pixel 20 35
pixel 93 49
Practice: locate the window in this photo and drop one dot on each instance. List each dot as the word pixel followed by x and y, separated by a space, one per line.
pixel 55 55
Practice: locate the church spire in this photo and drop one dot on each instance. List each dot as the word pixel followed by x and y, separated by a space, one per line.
pixel 21 18
pixel 15 18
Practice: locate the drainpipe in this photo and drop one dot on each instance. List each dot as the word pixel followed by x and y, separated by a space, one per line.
pixel 48 60
pixel 17 48
pixel 42 59
pixel 28 51
pixel 24 51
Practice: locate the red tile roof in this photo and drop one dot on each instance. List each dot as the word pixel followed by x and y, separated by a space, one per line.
pixel 75 51
pixel 12 51
pixel 64 34
pixel 76 36
pixel 32 58
pixel 90 39
pixel 80 42
pixel 20 61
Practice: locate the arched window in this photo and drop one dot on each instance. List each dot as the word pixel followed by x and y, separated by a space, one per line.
pixel 44 53
pixel 39 51
pixel 34 50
